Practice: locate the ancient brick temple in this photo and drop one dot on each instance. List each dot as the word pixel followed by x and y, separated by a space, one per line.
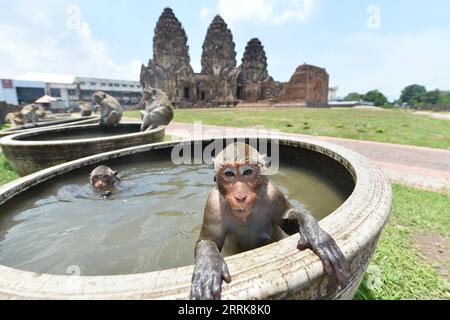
pixel 221 81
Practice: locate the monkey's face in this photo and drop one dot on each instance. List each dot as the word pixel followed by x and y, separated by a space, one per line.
pixel 103 178
pixel 103 181
pixel 240 185
pixel 99 97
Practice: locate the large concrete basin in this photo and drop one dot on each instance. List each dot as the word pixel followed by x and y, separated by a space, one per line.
pixel 276 271
pixel 49 125
pixel 40 149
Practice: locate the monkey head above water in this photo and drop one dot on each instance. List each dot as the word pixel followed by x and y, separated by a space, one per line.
pixel 247 205
pixel 110 109
pixel 103 178
pixel 239 178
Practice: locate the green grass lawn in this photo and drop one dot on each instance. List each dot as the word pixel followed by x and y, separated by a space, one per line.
pixel 395 126
pixel 404 273
pixel 7 174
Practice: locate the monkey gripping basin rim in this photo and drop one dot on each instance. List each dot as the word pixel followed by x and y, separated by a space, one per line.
pixel 48 125
pixel 27 153
pixel 276 271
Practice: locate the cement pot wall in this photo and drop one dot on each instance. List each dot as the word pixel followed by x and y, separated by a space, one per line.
pixel 48 125
pixel 27 154
pixel 276 271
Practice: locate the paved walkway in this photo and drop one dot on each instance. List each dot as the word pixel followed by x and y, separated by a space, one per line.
pixel 424 168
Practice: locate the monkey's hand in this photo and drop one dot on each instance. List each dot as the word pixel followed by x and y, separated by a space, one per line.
pixel 313 237
pixel 210 269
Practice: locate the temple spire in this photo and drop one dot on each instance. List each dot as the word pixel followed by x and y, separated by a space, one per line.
pixel 219 55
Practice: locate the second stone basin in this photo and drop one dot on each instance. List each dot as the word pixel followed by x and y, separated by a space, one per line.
pixel 40 149
pixel 68 121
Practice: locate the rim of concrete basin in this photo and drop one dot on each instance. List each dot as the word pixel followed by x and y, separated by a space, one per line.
pixel 16 139
pixel 277 271
pixel 48 125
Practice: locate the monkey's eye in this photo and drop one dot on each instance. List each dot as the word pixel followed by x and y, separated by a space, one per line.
pixel 247 172
pixel 229 174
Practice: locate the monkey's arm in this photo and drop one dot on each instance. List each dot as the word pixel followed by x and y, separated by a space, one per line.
pixel 313 237
pixel 210 266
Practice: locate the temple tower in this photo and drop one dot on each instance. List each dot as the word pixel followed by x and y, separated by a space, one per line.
pixel 219 55
pixel 170 69
pixel 253 77
pixel 170 49
pixel 254 62
pixel 219 60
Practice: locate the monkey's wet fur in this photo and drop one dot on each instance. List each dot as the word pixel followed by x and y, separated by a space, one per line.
pixel 246 204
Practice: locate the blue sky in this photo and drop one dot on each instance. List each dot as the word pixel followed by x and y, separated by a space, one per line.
pixel 364 45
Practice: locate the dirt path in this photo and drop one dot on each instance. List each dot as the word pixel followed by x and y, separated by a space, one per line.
pixel 444 116
pixel 434 248
pixel 422 167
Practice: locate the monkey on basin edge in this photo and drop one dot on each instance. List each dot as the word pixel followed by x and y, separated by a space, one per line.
pixel 110 109
pixel 103 178
pixel 246 204
pixel 158 109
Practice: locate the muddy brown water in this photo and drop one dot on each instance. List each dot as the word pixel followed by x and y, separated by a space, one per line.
pixel 150 223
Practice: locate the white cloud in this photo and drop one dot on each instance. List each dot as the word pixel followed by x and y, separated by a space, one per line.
pixel 267 11
pixel 45 44
pixel 389 62
pixel 206 13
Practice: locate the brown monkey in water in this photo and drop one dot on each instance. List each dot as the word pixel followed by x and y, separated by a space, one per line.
pixel 110 109
pixel 103 177
pixel 158 109
pixel 246 204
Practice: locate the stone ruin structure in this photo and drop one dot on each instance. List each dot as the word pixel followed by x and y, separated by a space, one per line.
pixel 221 82
pixel 308 83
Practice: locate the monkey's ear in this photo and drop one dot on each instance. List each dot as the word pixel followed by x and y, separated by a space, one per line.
pixel 115 175
pixel 266 160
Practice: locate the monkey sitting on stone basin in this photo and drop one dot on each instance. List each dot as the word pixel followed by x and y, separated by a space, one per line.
pixel 110 109
pixel 246 204
pixel 158 109
pixel 85 109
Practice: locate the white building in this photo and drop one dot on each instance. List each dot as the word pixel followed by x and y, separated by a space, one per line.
pixel 332 93
pixel 68 89
pixel 20 91
pixel 127 92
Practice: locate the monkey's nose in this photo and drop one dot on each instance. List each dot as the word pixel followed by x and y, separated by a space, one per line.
pixel 100 185
pixel 241 199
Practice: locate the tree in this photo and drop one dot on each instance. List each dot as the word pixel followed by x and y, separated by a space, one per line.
pixel 413 95
pixel 376 97
pixel 444 98
pixel 432 97
pixel 353 96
